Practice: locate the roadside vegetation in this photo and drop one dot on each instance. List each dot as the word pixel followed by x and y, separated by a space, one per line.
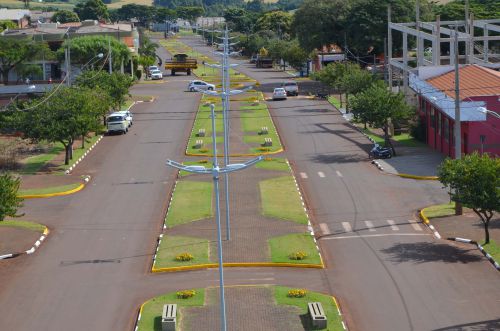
pixel 296 248
pixel 176 251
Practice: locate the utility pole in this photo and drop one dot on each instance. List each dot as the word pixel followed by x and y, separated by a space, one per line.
pixel 110 57
pixel 68 60
pixel 457 124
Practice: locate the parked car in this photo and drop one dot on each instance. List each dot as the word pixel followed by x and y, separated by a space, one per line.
pixel 291 88
pixel 117 122
pixel 200 85
pixel 128 115
pixel 156 74
pixel 279 93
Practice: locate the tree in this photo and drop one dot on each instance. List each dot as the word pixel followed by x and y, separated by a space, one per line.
pixel 377 106
pixel 474 181
pixel 65 16
pixel 4 25
pixel 295 55
pixel 62 117
pixel 116 85
pixel 189 13
pixel 83 49
pixel 320 22
pixel 354 80
pixel 144 14
pixel 147 47
pixel 16 51
pixel 277 21
pixel 9 201
pixel 92 10
pixel 454 10
pixel 163 14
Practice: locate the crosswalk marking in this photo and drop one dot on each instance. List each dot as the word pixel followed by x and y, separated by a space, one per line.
pixel 324 228
pixel 303 175
pixel 415 225
pixel 347 226
pixel 393 225
pixel 321 174
pixel 370 226
pixel 338 173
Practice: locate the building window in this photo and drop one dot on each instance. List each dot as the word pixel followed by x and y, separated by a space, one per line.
pixel 446 129
pixel 439 123
pixel 433 118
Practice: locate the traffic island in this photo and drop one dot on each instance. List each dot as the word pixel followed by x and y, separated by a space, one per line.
pixel 20 237
pixel 271 307
pixel 269 225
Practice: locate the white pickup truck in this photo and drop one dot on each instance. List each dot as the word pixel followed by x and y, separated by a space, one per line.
pixel 291 88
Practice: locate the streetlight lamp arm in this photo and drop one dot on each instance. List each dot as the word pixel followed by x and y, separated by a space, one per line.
pixel 240 166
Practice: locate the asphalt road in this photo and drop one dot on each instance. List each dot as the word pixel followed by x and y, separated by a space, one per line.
pixel 93 271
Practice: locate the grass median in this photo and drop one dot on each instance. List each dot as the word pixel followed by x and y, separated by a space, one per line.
pixel 285 249
pixel 152 309
pixel 24 225
pixel 334 321
pixel 49 190
pixel 172 247
pixel 192 201
pixel 281 199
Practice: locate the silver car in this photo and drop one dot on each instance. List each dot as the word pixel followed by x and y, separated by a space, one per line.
pixel 196 85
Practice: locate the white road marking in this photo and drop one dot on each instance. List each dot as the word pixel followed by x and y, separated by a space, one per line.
pixel 370 226
pixel 347 226
pixel 338 173
pixel 324 228
pixel 354 236
pixel 321 174
pixel 415 225
pixel 393 225
pixel 303 175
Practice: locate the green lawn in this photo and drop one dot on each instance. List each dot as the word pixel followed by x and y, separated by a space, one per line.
pixel 334 322
pixel 334 101
pixel 24 224
pixel 204 121
pixel 33 164
pixel 379 140
pixel 152 309
pixel 126 105
pixel 78 151
pixel 440 210
pixel 277 164
pixel 172 246
pixel 407 140
pixel 280 199
pixel 47 190
pixel 282 246
pixel 493 249
pixel 192 201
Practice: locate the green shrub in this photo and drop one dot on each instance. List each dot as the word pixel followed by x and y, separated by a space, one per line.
pixel 184 257
pixel 186 294
pixel 299 255
pixel 297 293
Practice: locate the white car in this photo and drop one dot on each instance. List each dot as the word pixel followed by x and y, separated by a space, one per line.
pixel 156 74
pixel 151 68
pixel 279 93
pixel 128 116
pixel 195 85
pixel 117 122
pixel 291 88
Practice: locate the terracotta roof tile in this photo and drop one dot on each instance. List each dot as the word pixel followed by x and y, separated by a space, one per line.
pixel 474 81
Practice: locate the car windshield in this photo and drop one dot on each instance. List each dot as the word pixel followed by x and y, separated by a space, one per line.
pixel 278 90
pixel 290 84
pixel 156 72
pixel 115 118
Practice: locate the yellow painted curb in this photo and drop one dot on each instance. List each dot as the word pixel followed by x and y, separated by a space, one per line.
pixel 418 177
pixel 49 195
pixel 423 217
pixel 236 265
pixel 236 155
pixel 46 231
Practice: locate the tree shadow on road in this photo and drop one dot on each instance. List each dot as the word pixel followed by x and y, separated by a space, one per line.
pixel 339 158
pixel 490 325
pixel 422 252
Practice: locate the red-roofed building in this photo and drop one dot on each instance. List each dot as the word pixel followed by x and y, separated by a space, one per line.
pixel 479 110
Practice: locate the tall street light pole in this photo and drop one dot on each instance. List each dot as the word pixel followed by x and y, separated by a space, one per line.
pixel 216 171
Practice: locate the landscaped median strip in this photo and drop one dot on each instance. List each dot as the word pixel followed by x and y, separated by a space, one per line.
pixel 269 295
pixel 426 221
pixel 35 246
pixel 72 167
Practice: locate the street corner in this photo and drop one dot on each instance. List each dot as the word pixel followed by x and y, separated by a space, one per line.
pixel 20 238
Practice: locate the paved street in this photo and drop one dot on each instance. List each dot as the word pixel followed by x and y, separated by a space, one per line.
pixel 388 271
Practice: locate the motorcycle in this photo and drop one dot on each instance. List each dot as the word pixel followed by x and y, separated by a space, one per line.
pixel 378 152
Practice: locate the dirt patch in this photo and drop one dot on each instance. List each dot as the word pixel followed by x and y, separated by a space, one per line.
pixel 15 240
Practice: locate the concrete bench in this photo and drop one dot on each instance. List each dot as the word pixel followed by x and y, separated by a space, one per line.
pixel 198 144
pixel 264 130
pixel 318 317
pixel 201 133
pixel 169 317
pixel 268 142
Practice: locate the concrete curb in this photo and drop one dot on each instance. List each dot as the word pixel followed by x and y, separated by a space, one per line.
pixel 35 246
pixel 139 316
pixel 72 167
pixel 56 194
pixel 428 223
pixel 238 265
pixel 344 325
pixel 481 249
